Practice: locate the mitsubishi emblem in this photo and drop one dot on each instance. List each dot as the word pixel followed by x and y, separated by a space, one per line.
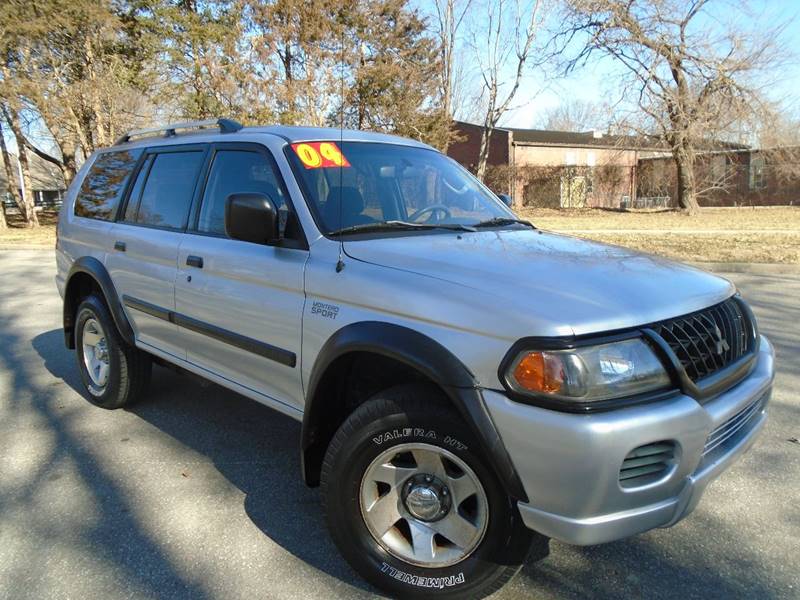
pixel 720 342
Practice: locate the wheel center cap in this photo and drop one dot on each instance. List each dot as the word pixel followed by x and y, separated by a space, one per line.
pixel 423 503
pixel 426 498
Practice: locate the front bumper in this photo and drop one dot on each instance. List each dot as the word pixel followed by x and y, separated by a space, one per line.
pixel 569 464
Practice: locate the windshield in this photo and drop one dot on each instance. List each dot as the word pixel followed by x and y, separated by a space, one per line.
pixel 362 185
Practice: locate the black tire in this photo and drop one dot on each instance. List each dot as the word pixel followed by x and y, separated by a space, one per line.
pixel 419 413
pixel 129 367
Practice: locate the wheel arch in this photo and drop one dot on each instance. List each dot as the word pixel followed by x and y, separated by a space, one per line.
pixel 424 357
pixel 87 275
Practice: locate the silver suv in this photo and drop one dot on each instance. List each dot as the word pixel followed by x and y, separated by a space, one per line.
pixel 469 385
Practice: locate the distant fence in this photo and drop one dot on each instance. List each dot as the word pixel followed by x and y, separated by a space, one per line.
pixel 646 202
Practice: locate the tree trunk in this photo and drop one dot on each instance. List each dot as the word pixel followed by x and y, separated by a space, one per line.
pixel 687 198
pixel 9 178
pixel 69 168
pixel 31 219
pixel 483 152
pixel 27 206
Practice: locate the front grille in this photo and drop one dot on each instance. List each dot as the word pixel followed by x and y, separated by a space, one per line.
pixel 732 426
pixel 710 339
pixel 647 463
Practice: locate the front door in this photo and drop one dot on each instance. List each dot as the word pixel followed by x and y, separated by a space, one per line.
pixel 573 191
pixel 238 304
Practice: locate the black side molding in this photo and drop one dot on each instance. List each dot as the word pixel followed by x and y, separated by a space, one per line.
pixel 424 355
pixel 88 270
pixel 146 307
pixel 274 353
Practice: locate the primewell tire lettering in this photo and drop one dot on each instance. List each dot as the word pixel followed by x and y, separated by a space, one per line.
pixel 425 582
pixel 411 507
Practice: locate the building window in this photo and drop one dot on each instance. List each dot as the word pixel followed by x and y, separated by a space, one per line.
pixel 718 169
pixel 758 179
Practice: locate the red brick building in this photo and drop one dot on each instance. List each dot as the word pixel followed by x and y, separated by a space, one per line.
pixel 743 177
pixel 558 168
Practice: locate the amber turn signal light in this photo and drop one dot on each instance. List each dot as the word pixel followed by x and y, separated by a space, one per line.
pixel 540 372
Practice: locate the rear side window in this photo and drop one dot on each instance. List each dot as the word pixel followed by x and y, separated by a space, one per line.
pixel 168 190
pixel 102 189
pixel 136 191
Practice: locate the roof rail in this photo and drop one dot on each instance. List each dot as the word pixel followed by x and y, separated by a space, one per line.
pixel 224 125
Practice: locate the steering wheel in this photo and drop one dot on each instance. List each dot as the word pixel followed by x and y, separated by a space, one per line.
pixel 432 209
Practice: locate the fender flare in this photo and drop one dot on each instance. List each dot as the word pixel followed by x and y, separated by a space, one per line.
pixel 427 356
pixel 95 269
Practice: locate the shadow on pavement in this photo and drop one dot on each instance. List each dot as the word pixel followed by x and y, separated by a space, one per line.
pixel 115 537
pixel 252 446
pixel 256 449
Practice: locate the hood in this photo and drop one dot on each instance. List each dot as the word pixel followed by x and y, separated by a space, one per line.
pixel 560 281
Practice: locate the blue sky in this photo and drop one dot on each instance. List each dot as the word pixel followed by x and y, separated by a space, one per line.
pixel 594 83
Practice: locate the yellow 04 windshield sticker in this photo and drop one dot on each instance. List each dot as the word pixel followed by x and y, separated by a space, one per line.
pixel 315 155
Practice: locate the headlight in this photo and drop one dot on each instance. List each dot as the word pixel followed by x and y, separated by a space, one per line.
pixel 589 373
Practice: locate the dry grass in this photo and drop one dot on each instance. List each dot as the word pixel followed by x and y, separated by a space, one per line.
pixel 760 235
pixel 17 235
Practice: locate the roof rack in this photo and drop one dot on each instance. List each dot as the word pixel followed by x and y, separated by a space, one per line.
pixel 224 125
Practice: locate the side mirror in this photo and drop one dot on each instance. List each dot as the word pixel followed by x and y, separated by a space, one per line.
pixel 506 199
pixel 251 218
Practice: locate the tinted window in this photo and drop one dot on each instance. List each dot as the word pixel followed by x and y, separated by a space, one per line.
pixel 238 172
pixel 136 190
pixel 167 194
pixel 104 184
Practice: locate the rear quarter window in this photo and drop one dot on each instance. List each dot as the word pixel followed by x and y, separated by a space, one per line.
pixel 102 189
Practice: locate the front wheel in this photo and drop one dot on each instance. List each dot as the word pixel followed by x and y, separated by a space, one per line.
pixel 412 504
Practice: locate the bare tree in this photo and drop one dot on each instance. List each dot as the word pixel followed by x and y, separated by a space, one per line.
pixel 574 114
pixel 9 176
pixel 692 74
pixel 450 15
pixel 777 133
pixel 27 208
pixel 504 41
pixel 774 125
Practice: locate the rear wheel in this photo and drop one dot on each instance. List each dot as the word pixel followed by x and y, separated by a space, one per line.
pixel 412 504
pixel 114 373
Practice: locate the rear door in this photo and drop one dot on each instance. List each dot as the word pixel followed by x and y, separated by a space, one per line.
pixel 144 255
pixel 239 304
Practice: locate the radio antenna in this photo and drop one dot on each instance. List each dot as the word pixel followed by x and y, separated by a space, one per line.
pixel 340 261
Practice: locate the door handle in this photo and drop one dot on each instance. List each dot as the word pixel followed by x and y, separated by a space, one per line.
pixel 120 246
pixel 194 261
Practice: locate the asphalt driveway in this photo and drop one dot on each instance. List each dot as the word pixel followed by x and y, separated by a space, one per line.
pixel 195 493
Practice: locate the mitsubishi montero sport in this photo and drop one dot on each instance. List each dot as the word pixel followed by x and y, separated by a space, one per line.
pixel 469 386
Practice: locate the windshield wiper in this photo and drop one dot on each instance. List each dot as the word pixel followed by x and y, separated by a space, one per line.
pixel 500 221
pixel 399 226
